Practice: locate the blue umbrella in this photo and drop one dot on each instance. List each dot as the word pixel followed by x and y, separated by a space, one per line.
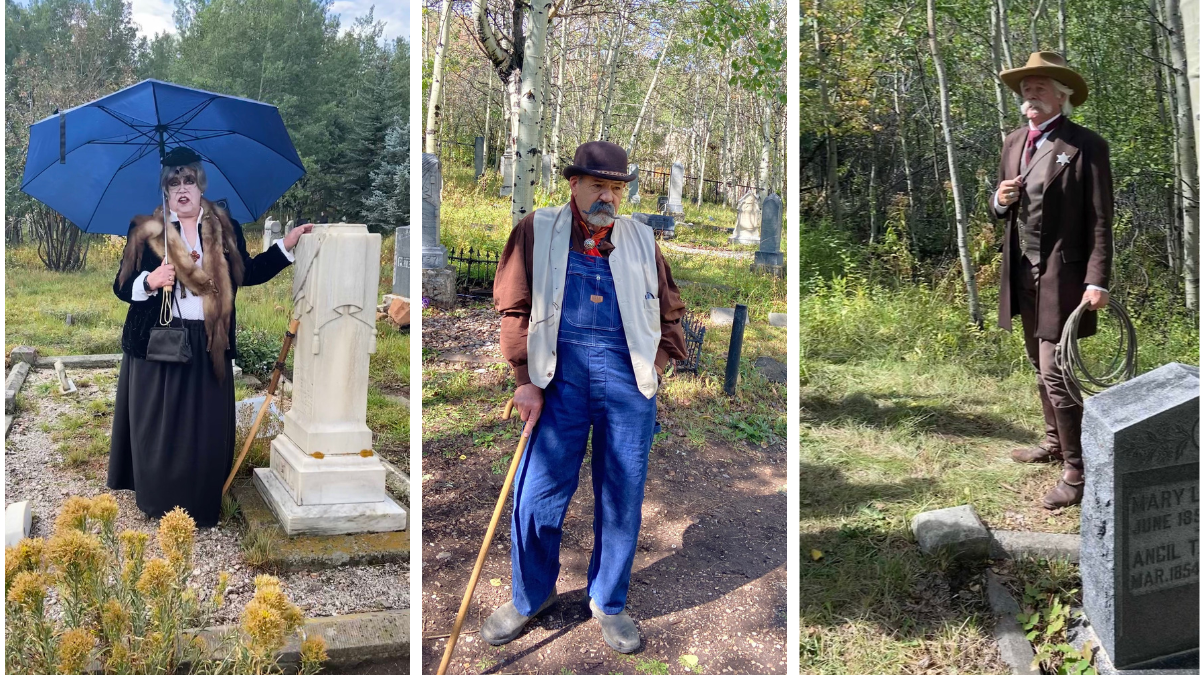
pixel 98 164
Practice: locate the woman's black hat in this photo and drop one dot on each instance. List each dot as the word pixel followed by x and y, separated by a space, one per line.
pixel 602 160
pixel 180 156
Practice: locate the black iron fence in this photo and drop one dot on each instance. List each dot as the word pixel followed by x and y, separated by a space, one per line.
pixel 657 180
pixel 693 338
pixel 474 271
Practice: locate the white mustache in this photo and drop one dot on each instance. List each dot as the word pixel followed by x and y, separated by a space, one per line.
pixel 1035 104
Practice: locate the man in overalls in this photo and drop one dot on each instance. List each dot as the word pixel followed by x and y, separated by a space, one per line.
pixel 590 318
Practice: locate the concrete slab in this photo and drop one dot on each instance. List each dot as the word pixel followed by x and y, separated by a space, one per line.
pixel 1017 544
pixel 956 530
pixel 1016 651
pixel 312 552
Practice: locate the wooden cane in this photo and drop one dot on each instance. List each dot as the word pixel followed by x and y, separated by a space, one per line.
pixel 276 372
pixel 487 543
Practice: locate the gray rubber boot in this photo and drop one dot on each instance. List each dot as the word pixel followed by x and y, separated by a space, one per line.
pixel 506 623
pixel 619 631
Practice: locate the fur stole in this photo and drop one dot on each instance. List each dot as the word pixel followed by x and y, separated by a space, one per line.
pixel 214 280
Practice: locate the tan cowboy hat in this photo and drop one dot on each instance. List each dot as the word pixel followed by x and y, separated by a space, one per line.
pixel 1052 65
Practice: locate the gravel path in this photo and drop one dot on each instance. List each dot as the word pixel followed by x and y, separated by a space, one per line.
pixel 34 471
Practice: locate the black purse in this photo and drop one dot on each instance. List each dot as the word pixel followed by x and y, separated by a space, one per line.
pixel 168 342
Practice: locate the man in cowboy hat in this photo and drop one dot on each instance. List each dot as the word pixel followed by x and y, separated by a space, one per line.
pixel 1055 195
pixel 590 317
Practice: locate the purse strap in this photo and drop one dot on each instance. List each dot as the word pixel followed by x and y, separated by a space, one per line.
pixel 166 314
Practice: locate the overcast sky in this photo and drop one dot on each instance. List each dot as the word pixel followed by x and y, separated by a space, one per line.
pixel 154 16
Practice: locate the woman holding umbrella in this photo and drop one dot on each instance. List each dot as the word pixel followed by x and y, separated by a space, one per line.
pixel 173 427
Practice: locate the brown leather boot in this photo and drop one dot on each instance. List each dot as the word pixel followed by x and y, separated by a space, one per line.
pixel 1068 492
pixel 1038 454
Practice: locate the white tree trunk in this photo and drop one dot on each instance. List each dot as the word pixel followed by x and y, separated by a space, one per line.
pixel 529 115
pixel 1001 96
pixel 1185 141
pixel 704 148
pixel 487 116
pixel 908 176
pixel 556 165
pixel 433 111
pixel 637 125
pixel 764 164
pixel 1062 28
pixel 723 171
pixel 614 60
pixel 960 214
pixel 832 193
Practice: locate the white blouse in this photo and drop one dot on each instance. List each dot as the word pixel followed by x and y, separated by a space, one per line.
pixel 190 306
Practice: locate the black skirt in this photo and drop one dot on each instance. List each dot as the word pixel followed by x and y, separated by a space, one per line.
pixel 173 433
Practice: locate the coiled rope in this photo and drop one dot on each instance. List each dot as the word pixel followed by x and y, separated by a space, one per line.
pixel 1067 355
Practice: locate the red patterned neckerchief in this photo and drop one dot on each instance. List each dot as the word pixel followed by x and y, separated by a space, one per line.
pixel 591 242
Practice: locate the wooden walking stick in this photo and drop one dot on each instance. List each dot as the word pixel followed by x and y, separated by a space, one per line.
pixel 276 372
pixel 487 543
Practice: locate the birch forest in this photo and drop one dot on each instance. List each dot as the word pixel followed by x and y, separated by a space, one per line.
pixel 671 81
pixel 902 116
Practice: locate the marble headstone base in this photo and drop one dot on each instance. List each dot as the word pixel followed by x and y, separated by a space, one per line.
pixel 327 519
pixel 332 479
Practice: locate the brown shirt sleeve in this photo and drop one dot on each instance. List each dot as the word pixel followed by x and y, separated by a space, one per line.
pixel 513 295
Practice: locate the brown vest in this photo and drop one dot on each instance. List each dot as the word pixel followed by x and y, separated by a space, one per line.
pixel 1029 215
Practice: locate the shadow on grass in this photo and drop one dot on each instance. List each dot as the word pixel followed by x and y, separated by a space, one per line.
pixel 892 411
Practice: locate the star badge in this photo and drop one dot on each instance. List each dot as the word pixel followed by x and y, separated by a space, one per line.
pixel 1063 158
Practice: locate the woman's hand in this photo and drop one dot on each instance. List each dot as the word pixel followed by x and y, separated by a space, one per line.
pixel 289 241
pixel 165 274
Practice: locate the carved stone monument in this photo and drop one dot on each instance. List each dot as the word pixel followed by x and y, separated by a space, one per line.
pixel 634 196
pixel 507 166
pixel 324 478
pixel 479 159
pixel 749 221
pixel 437 281
pixel 272 230
pixel 400 263
pixel 768 256
pixel 1140 522
pixel 675 191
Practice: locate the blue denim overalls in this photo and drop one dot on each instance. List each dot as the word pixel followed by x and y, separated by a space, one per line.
pixel 594 389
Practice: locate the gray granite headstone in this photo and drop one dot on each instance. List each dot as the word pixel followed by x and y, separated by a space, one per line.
pixel 433 254
pixel 401 264
pixel 506 174
pixel 772 231
pixel 478 157
pixel 547 173
pixel 720 316
pixel 635 197
pixel 749 221
pixel 1141 517
pixel 675 190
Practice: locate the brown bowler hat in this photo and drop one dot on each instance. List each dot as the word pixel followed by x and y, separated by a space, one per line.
pixel 602 160
pixel 1052 65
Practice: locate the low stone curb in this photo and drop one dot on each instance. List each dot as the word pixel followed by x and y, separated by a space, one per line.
pixel 1016 651
pixel 1018 544
pixel 12 385
pixel 350 639
pixel 81 361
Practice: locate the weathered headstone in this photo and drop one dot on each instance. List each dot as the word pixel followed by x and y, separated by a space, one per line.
pixel 1140 524
pixel 720 316
pixel 272 230
pixel 635 197
pixel 547 173
pixel 675 191
pixel 65 385
pixel 768 252
pixel 777 319
pixel 401 264
pixel 506 174
pixel 956 530
pixel 749 221
pixel 437 281
pixel 287 229
pixel 324 478
pixel 479 159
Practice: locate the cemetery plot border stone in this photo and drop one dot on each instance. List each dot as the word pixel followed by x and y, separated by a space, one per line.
pixel 23 353
pixel 350 640
pixel 18 519
pixel 1014 648
pixel 1140 523
pixel 12 385
pixel 1017 544
pixel 956 530
pixel 81 361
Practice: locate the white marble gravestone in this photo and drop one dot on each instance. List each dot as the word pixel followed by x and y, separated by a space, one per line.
pixel 748 229
pixel 272 230
pixel 675 190
pixel 324 478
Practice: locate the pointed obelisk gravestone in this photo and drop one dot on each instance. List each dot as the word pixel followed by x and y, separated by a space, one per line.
pixel 635 196
pixel 479 160
pixel 675 191
pixel 1140 523
pixel 324 477
pixel 506 174
pixel 401 264
pixel 749 221
pixel 437 280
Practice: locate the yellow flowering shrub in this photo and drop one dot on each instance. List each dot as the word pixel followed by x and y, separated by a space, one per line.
pixel 73 515
pixel 176 535
pixel 73 651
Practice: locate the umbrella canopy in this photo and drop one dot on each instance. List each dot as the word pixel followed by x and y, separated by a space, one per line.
pixel 99 164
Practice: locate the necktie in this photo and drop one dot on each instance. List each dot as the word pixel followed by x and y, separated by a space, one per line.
pixel 1034 134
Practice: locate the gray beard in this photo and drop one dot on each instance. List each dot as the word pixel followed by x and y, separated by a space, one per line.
pixel 599 216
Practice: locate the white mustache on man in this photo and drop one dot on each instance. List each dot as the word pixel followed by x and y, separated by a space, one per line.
pixel 1035 104
pixel 600 214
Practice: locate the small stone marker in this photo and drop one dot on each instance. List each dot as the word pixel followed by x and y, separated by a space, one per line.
pixel 22 353
pixel 635 197
pixel 18 519
pixel 1140 524
pixel 675 191
pixel 956 530
pixel 749 221
pixel 506 173
pixel 720 316
pixel 65 385
pixel 777 319
pixel 768 253
pixel 478 157
pixel 771 369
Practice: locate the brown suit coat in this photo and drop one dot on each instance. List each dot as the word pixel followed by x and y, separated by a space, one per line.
pixel 1075 215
